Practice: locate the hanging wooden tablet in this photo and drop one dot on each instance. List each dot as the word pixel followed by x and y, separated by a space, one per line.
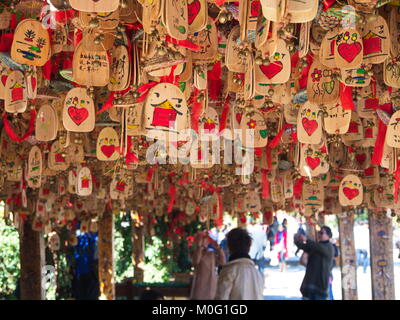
pixel 313 195
pixel 393 131
pixel 322 86
pixel 368 103
pixel 273 10
pixel 75 153
pixel 263 26
pixel 107 145
pixel 209 122
pixel 106 20
pixel 95 5
pixel 84 182
pixel 371 176
pixel 391 72
pixel 31 44
pixel 356 130
pixel 276 71
pixel 208 40
pixel 4 73
pixel 176 18
pixel 309 126
pixel 301 12
pixel 370 127
pixel 358 77
pixel 328 47
pixel 165 111
pixel 351 191
pixel 376 39
pixel 5 19
pixel 130 11
pixel 338 119
pixel 91 68
pixel 348 49
pixel 78 111
pixel 200 77
pixel 134 120
pixel 46 125
pixel 57 157
pixel 394 29
pixel 120 72
pixel 31 83
pixel 311 160
pixel 254 132
pixel 197 15
pixel 233 62
pixel 15 99
pixel 277 191
pixel 317 34
pixel 119 188
pixel 34 175
pixel 251 202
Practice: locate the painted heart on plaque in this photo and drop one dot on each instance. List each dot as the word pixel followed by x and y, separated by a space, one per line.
pixel 78 115
pixel 309 125
pixel 349 51
pixel 108 150
pixel 350 193
pixel 313 162
pixel 193 10
pixel 272 69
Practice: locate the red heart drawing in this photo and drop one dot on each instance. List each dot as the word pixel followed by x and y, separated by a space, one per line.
pixel 361 157
pixel 78 115
pixel 313 162
pixel 272 69
pixel 193 10
pixel 309 125
pixel 108 150
pixel 349 51
pixel 350 193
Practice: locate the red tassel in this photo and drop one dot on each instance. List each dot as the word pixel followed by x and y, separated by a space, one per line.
pixel 225 113
pixel 185 44
pixel 346 97
pixel 269 160
pixel 130 156
pixel 171 191
pixel 6 41
pixel 149 176
pixel 13 136
pixel 219 2
pixel 265 185
pixel 47 70
pixel 196 109
pixel 219 221
pixel 397 182
pixel 63 16
pixel 379 144
pixel 298 188
pixel 276 140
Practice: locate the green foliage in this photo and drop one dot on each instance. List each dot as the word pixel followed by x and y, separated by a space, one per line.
pixel 9 260
pixel 123 248
pixel 155 268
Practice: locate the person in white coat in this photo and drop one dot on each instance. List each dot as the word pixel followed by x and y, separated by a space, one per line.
pixel 239 279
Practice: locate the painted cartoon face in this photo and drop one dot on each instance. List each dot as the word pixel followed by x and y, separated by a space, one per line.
pixel 94 5
pixel 309 124
pixel 78 111
pixel 351 191
pixel 31 44
pixel 376 40
pixel 165 111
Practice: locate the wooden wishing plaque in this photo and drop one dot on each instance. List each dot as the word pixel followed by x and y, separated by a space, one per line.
pixel 84 182
pixel 338 119
pixel 254 130
pixel 91 68
pixel 107 20
pixel 197 15
pixel 208 40
pixel 165 111
pixel 35 163
pixel 16 98
pixel 175 18
pixel 322 86
pixel 107 145
pixel 120 72
pixel 252 202
pixel 78 111
pixel 309 126
pixel 46 123
pixel 94 5
pixel 348 49
pixel 327 51
pixel 351 191
pixel 57 159
pixel 31 44
pixel 376 39
pixel 232 60
pixel 393 131
pixel 134 120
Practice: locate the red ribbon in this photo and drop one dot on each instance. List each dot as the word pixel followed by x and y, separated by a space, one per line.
pixel 265 184
pixel 346 97
pixel 380 139
pixel 220 218
pixel 276 140
pixel 150 172
pixel 130 156
pixel 196 109
pixel 13 136
pixel 298 188
pixel 171 191
pixel 327 4
pixel 397 182
pixel 219 2
pixel 225 113
pixel 184 43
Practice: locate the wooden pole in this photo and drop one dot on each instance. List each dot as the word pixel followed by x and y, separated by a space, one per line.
pixel 138 252
pixel 32 263
pixel 106 256
pixel 348 261
pixel 381 245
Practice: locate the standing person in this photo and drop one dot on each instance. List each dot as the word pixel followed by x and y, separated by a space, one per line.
pixel 320 255
pixel 239 279
pixel 281 247
pixel 284 224
pixel 207 257
pixel 272 230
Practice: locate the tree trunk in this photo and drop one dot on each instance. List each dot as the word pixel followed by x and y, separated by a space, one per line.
pixel 106 256
pixel 32 263
pixel 138 252
pixel 348 261
pixel 381 247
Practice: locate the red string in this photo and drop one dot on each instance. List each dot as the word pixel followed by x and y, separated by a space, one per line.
pixel 225 113
pixel 13 136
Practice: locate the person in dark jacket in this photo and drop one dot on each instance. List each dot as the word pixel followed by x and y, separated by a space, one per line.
pixel 320 255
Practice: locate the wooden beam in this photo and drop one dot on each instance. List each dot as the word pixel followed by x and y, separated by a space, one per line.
pixel 32 263
pixel 106 256
pixel 381 245
pixel 138 252
pixel 348 260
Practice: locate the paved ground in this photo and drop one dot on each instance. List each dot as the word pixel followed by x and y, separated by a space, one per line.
pixel 285 286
